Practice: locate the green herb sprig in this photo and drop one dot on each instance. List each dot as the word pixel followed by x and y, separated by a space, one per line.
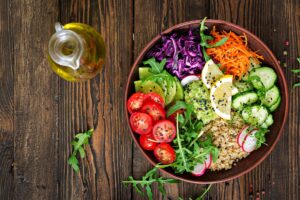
pixel 146 182
pixel 155 67
pixel 297 71
pixel 205 38
pixel 78 146
pixel 189 149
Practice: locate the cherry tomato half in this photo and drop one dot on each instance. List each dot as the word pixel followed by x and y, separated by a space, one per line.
pixel 173 116
pixel 147 142
pixel 164 153
pixel 141 123
pixel 164 131
pixel 135 102
pixel 154 110
pixel 155 98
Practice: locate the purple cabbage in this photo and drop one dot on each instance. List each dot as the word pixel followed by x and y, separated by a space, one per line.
pixel 182 51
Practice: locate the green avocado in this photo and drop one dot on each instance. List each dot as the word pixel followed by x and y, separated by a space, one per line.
pixel 198 95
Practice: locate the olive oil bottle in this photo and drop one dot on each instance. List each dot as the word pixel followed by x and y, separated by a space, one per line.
pixel 76 52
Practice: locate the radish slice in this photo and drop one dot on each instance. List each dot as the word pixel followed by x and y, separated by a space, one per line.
pixel 249 143
pixel 208 161
pixel 241 136
pixel 199 169
pixel 188 79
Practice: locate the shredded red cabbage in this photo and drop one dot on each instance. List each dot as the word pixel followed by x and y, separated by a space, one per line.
pixel 182 51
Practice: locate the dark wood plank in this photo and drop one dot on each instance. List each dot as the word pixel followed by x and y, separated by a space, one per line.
pixel 277 177
pixel 35 105
pixel 98 103
pixel 6 102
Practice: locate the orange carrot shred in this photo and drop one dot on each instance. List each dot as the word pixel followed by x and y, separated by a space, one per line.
pixel 234 55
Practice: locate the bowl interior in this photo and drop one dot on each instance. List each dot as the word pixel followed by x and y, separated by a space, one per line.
pixel 246 164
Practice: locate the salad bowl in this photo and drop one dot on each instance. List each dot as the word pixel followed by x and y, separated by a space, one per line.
pixel 280 115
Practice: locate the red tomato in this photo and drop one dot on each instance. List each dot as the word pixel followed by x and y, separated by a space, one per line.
pixel 155 98
pixel 154 110
pixel 164 131
pixel 141 123
pixel 173 116
pixel 147 143
pixel 164 153
pixel 135 102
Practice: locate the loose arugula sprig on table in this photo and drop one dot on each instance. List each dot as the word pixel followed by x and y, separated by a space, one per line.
pixel 146 182
pixel 78 146
pixel 297 71
pixel 152 177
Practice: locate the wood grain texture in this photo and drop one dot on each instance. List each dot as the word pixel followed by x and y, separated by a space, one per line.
pixel 99 104
pixel 35 106
pixel 40 113
pixel 6 103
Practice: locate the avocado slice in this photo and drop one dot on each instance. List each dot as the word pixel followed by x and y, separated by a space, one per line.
pixel 144 73
pixel 149 86
pixel 179 91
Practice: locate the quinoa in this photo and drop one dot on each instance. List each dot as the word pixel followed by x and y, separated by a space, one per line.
pixel 224 135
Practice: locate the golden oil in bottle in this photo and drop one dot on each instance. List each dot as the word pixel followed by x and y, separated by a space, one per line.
pixel 76 52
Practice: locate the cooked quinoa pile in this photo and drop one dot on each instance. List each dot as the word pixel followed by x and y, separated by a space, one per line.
pixel 224 136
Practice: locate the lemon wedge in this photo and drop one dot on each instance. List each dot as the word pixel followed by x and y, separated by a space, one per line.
pixel 210 73
pixel 220 96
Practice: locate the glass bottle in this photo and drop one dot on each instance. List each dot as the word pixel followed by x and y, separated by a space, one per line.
pixel 76 51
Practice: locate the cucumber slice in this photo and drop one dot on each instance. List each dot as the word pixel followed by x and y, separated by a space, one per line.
pixel 254 63
pixel 276 105
pixel 243 99
pixel 179 91
pixel 144 73
pixel 269 121
pixel 255 115
pixel 257 83
pixel 243 86
pixel 271 96
pixel 137 85
pixel 150 86
pixel 267 76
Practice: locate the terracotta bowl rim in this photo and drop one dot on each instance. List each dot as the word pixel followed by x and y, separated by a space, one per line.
pixel 268 51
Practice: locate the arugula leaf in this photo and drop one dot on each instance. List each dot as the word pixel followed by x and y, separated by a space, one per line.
pixel 156 67
pixel 261 137
pixel 204 193
pixel 146 182
pixel 296 71
pixel 205 38
pixel 79 141
pixel 177 106
pixel 219 43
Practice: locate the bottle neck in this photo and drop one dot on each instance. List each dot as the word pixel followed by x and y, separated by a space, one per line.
pixel 65 47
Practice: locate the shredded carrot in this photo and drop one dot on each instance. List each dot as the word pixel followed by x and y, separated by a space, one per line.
pixel 234 55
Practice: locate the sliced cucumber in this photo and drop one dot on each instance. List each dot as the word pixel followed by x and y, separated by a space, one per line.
pixel 271 96
pixel 179 91
pixel 256 82
pixel 269 121
pixel 254 63
pixel 267 76
pixel 255 115
pixel 137 85
pixel 144 73
pixel 246 98
pixel 276 105
pixel 150 86
pixel 243 86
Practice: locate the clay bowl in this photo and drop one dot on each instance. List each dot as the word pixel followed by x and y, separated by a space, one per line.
pixel 255 158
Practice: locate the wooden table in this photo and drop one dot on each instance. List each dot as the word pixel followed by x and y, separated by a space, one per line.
pixel 40 113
